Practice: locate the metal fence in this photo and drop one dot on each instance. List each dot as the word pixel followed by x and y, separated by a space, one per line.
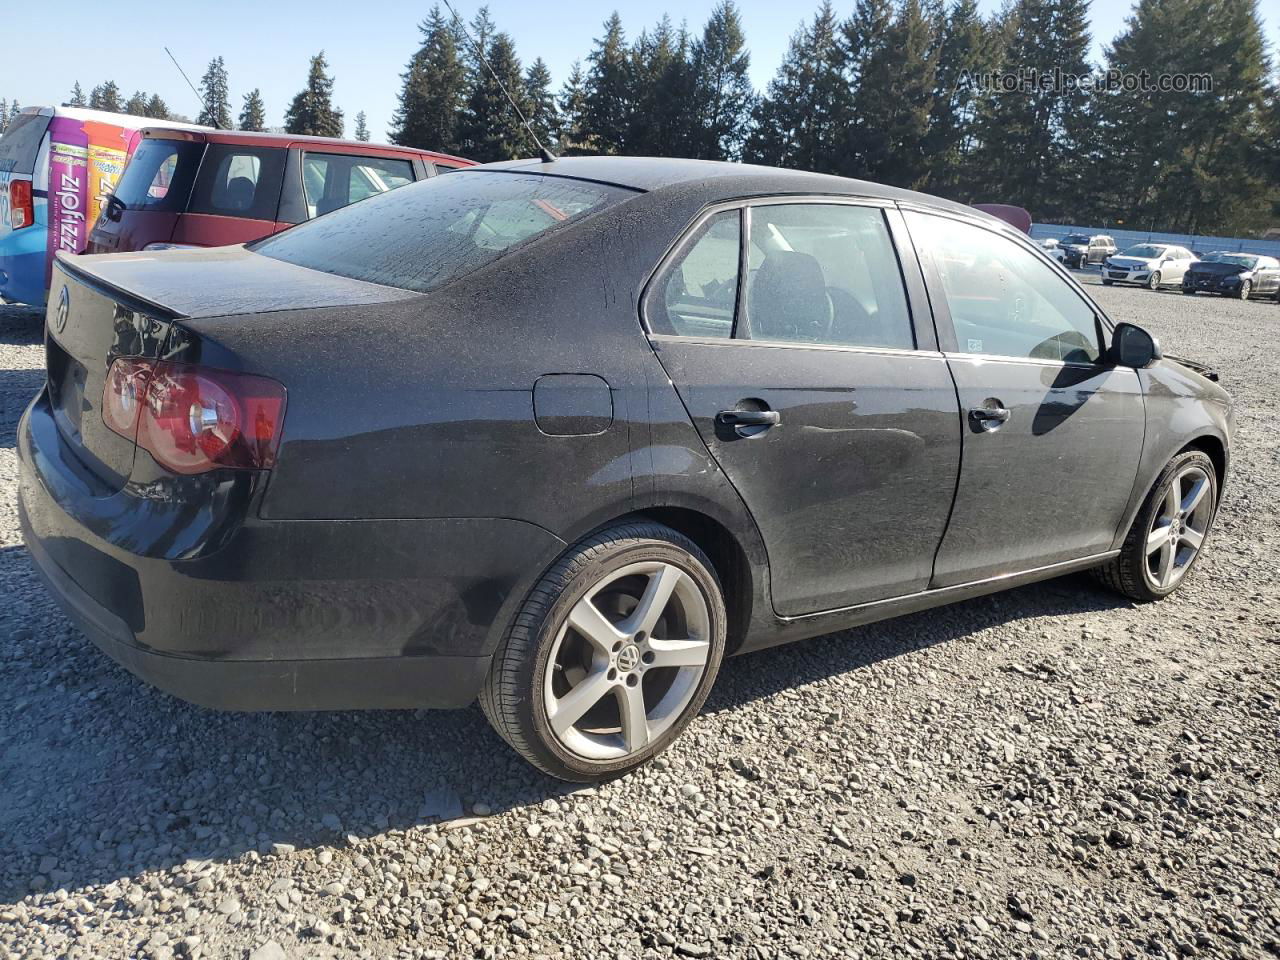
pixel 1126 238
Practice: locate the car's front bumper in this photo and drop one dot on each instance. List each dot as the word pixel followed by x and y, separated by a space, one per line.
pixel 1226 286
pixel 286 615
pixel 1116 275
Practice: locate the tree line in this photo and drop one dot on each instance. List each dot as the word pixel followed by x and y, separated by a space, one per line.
pixel 890 92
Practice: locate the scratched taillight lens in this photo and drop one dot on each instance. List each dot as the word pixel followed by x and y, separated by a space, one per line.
pixel 193 419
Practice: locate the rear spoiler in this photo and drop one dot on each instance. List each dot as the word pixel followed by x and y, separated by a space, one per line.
pixel 75 267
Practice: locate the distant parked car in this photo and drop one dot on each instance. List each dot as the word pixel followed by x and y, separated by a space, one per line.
pixel 1149 265
pixel 1080 249
pixel 209 189
pixel 1238 275
pixel 1054 249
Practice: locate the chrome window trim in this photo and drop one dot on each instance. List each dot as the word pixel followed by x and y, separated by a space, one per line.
pixel 797 345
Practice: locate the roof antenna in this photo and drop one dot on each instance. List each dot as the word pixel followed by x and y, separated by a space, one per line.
pixel 547 155
pixel 203 106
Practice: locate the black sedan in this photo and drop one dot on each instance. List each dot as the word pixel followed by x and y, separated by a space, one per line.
pixel 1240 275
pixel 561 436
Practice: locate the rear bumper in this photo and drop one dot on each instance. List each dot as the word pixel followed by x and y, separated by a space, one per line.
pixel 281 615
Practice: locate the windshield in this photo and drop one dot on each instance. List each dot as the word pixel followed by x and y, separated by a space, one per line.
pixel 1144 251
pixel 424 236
pixel 1236 259
pixel 1075 238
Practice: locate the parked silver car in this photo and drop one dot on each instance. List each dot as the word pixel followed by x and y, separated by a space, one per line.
pixel 1239 275
pixel 1149 265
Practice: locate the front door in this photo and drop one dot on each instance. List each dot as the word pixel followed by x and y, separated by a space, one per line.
pixel 1052 434
pixel 805 381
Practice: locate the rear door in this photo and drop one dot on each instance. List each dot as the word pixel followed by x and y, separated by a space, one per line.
pixel 787 329
pixel 152 194
pixel 236 196
pixel 1053 433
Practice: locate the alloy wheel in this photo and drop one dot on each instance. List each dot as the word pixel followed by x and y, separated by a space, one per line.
pixel 1245 289
pixel 627 660
pixel 1154 282
pixel 1179 526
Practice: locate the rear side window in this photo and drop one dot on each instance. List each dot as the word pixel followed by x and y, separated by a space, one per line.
pixel 333 180
pixel 698 293
pixel 435 231
pixel 239 181
pixel 21 143
pixel 159 175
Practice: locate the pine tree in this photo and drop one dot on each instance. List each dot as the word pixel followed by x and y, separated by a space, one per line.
pixel 362 127
pixel 722 95
pixel 216 94
pixel 490 129
pixel 136 104
pixel 156 108
pixel 607 115
pixel 105 96
pixel 77 97
pixel 4 115
pixel 312 112
pixel 966 50
pixel 432 95
pixel 253 114
pixel 544 116
pixel 573 109
pixel 659 80
pixel 802 119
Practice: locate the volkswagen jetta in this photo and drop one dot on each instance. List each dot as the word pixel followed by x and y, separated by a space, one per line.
pixel 561 436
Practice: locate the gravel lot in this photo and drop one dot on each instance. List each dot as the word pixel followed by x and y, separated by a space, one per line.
pixel 1044 773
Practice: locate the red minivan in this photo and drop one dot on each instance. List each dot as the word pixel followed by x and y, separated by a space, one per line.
pixel 185 188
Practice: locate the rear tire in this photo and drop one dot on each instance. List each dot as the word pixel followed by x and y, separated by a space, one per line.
pixel 612 654
pixel 1165 540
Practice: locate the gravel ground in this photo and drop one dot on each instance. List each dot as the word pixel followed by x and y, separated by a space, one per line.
pixel 1048 772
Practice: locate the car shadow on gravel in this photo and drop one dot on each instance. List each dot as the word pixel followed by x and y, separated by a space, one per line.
pixel 20 325
pixel 103 777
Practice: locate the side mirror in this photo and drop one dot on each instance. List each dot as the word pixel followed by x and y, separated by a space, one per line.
pixel 1131 346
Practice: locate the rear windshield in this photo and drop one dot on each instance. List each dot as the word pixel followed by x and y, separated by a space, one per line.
pixel 426 235
pixel 21 143
pixel 239 181
pixel 159 175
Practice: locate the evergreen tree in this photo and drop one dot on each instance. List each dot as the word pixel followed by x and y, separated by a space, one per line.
pixel 607 115
pixel 216 93
pixel 661 84
pixel 893 59
pixel 312 112
pixel 77 97
pixel 433 89
pixel 801 120
pixel 490 128
pixel 1022 134
pixel 105 96
pixel 722 93
pixel 966 49
pixel 573 110
pixel 137 104
pixel 156 108
pixel 362 127
pixel 4 115
pixel 544 116
pixel 253 114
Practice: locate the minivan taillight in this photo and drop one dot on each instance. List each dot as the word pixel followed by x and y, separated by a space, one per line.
pixel 193 419
pixel 22 210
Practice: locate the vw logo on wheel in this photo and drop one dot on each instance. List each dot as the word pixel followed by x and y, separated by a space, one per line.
pixel 64 310
pixel 629 657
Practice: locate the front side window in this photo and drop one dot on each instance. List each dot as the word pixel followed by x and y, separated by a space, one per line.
pixel 437 230
pixel 698 293
pixel 239 181
pixel 827 274
pixel 1004 301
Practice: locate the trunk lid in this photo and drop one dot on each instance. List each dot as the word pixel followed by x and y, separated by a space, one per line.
pixel 126 305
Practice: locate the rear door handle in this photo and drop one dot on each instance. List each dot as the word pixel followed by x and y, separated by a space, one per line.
pixel 748 423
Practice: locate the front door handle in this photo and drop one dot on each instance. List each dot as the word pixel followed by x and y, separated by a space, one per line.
pixel 989 417
pixel 748 423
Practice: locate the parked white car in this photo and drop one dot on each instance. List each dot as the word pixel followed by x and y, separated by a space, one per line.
pixel 1052 248
pixel 1149 265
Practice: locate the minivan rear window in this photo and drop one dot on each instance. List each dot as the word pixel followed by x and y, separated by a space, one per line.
pixel 21 143
pixel 239 181
pixel 424 236
pixel 159 175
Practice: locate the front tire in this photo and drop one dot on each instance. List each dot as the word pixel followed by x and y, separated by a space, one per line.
pixel 612 654
pixel 1153 281
pixel 1246 288
pixel 1169 532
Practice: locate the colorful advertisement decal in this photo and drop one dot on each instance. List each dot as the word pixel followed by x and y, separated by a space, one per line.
pixel 68 193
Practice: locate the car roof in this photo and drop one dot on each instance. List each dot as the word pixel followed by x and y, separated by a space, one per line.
pixel 253 138
pixel 721 180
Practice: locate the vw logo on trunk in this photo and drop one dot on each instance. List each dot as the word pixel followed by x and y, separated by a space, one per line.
pixel 64 309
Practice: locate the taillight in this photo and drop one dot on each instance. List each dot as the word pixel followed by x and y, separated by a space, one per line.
pixel 22 210
pixel 193 419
